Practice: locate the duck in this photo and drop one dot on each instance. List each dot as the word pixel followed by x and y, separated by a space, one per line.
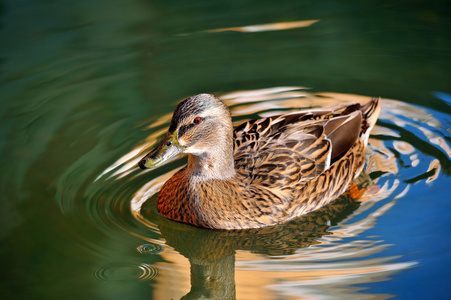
pixel 262 172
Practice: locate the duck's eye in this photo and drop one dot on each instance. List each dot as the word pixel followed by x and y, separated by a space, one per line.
pixel 197 120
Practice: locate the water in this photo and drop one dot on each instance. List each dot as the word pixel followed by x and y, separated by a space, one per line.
pixel 87 85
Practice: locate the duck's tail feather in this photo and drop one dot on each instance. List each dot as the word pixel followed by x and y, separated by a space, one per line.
pixel 370 113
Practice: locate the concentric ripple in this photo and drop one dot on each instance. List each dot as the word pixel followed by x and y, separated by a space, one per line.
pixel 118 272
pixel 330 249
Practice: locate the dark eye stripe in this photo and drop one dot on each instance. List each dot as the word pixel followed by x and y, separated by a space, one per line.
pixel 184 128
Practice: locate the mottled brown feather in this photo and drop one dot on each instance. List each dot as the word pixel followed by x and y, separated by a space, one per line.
pixel 285 166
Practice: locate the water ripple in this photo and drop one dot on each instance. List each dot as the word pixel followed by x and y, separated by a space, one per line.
pixel 322 253
pixel 118 272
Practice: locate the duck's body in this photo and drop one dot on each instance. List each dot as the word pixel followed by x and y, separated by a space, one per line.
pixel 263 172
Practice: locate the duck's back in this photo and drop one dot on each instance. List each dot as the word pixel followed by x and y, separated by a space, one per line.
pixel 295 147
pixel 309 158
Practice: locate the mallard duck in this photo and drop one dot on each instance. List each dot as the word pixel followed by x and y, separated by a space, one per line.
pixel 262 172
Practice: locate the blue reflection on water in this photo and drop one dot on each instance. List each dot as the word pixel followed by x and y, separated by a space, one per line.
pixel 443 96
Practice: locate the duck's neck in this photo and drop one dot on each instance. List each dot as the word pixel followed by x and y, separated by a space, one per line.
pixel 213 158
pixel 209 166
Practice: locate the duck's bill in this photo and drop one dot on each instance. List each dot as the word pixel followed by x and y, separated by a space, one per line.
pixel 168 150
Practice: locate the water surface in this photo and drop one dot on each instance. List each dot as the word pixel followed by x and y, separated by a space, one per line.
pixel 88 86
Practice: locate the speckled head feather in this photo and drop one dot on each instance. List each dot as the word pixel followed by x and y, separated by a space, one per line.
pixel 193 106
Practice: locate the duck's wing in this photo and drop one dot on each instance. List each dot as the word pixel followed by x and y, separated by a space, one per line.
pixel 284 150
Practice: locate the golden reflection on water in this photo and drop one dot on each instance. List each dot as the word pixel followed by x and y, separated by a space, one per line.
pixel 264 27
pixel 321 254
pixel 267 27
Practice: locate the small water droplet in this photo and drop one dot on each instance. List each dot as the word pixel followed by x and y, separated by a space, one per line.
pixel 150 249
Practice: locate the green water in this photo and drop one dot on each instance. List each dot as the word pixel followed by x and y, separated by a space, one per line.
pixel 84 83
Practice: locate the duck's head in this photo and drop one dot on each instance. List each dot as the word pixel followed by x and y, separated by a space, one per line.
pixel 201 125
